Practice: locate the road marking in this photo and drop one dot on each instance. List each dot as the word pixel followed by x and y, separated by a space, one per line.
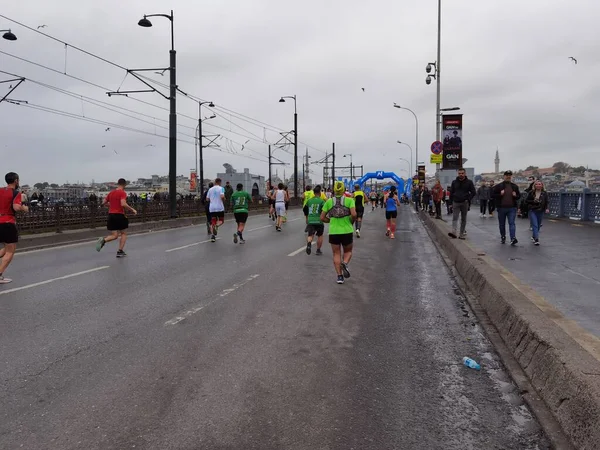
pixel 224 293
pixel 582 275
pixel 189 245
pixel 29 286
pixel 300 250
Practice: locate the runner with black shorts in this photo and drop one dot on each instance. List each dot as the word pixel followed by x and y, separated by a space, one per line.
pixel 216 197
pixel 340 213
pixel 10 203
pixel 315 225
pixel 373 198
pixel 391 212
pixel 117 220
pixel 240 200
pixel 206 204
pixel 359 200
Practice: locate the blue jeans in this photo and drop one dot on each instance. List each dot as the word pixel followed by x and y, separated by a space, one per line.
pixel 535 218
pixel 511 214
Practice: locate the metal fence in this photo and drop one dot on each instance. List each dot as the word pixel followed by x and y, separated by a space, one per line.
pixel 582 206
pixel 57 218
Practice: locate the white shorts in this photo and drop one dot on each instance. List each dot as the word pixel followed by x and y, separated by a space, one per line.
pixel 280 208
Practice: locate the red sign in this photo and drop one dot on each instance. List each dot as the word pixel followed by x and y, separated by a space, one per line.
pixel 437 148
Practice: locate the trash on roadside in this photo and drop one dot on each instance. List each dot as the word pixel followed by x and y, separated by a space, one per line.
pixel 468 362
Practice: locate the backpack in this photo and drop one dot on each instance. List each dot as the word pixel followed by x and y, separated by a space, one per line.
pixel 339 210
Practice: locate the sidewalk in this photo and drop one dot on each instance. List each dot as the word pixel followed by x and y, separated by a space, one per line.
pixel 564 269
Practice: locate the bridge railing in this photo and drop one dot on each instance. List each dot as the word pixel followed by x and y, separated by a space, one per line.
pixel 57 218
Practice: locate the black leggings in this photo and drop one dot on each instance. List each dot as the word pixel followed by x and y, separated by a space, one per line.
pixel 483 206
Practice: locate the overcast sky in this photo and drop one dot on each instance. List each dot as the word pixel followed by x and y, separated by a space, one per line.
pixel 505 64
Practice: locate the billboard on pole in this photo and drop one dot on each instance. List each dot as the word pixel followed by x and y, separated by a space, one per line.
pixel 452 140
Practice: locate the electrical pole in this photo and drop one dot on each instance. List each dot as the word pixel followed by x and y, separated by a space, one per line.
pixel 333 166
pixel 173 128
pixel 295 152
pixel 270 179
pixel 438 119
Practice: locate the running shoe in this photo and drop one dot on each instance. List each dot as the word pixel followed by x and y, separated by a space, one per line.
pixel 121 254
pixel 213 238
pixel 340 279
pixel 242 241
pixel 462 237
pixel 392 236
pixel 387 233
pixel 308 248
pixel 278 228
pixel 235 238
pixel 100 244
pixel 4 280
pixel 345 270
pixel 358 234
pixel 216 230
pixel 319 252
pixel 536 242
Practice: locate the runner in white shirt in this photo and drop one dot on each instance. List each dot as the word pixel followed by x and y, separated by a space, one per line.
pixel 281 196
pixel 216 196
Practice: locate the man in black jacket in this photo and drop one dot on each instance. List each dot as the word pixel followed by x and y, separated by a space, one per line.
pixel 461 193
pixel 507 197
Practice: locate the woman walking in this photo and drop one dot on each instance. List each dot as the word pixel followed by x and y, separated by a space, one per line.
pixel 391 212
pixel 537 202
pixel 485 194
pixel 438 194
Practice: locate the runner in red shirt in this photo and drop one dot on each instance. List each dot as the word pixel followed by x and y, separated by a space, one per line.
pixel 117 220
pixel 10 203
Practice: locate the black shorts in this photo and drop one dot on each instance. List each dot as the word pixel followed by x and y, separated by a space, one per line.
pixel 117 222
pixel 391 215
pixel 9 233
pixel 240 217
pixel 316 228
pixel 341 239
pixel 304 210
pixel 360 213
pixel 287 205
pixel 218 215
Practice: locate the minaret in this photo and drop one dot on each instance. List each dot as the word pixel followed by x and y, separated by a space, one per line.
pixel 497 161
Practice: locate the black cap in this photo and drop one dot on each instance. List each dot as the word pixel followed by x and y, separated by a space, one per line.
pixel 508 172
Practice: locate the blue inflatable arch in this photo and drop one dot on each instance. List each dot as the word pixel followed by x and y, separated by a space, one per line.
pixel 381 175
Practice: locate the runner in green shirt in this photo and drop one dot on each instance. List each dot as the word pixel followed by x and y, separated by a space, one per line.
pixel 340 212
pixel 314 207
pixel 240 200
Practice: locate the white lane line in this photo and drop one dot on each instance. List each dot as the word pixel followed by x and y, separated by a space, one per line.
pixel 224 293
pixel 300 250
pixel 29 286
pixel 189 245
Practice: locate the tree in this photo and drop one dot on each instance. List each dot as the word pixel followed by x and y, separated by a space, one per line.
pixel 561 167
pixel 54 185
pixel 580 170
pixel 532 168
pixel 41 186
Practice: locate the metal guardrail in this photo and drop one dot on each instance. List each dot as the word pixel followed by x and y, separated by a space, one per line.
pixel 582 206
pixel 57 218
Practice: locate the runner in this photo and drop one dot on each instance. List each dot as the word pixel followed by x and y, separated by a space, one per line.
pixel 306 196
pixel 315 225
pixel 10 203
pixel 359 201
pixel 270 196
pixel 240 200
pixel 340 213
pixel 281 196
pixel 216 197
pixel 206 204
pixel 382 199
pixel 391 211
pixel 117 220
pixel 373 198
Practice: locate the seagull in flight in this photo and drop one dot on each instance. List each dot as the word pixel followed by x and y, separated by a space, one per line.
pixel 42 26
pixel 246 141
pixel 363 89
pixel 115 152
pixel 10 87
pixel 150 145
pixel 108 129
pixel 162 74
pixel 103 146
pixel 574 60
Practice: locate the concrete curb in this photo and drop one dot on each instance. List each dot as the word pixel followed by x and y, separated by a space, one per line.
pixel 47 240
pixel 565 375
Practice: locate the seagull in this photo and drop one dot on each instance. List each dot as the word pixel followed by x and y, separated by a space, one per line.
pixel 574 60
pixel 10 87
pixel 115 152
pixel 246 141
pixel 363 89
pixel 103 146
pixel 108 129
pixel 150 145
pixel 242 147
pixel 42 26
pixel 162 74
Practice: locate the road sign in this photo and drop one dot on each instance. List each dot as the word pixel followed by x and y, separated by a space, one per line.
pixel 436 148
pixel 436 159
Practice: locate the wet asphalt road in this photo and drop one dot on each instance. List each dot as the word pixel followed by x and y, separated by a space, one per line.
pixel 222 346
pixel 565 268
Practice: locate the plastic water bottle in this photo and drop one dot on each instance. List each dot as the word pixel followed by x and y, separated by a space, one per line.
pixel 468 362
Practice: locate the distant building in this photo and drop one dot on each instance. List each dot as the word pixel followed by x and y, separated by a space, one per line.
pixel 447 176
pixel 66 193
pixel 253 184
pixel 497 161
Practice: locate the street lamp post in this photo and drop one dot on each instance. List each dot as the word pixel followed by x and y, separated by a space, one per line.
pixel 282 100
pixel 351 167
pixel 407 162
pixel 437 66
pixel 416 130
pixel 8 35
pixel 201 144
pixel 172 113
pixel 411 164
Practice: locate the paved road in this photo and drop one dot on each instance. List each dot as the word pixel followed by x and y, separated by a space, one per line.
pixel 191 345
pixel 565 268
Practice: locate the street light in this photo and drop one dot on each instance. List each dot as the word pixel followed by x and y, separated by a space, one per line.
pixel 407 162
pixel 437 65
pixel 8 35
pixel 201 144
pixel 416 130
pixel 172 113
pixel 351 167
pixel 411 164
pixel 282 100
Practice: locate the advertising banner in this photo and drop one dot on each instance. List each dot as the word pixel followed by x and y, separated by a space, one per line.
pixel 421 173
pixel 193 181
pixel 452 140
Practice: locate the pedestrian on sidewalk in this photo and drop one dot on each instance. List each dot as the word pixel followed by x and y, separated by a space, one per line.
pixel 240 201
pixel 426 199
pixel 537 201
pixel 507 197
pixel 117 222
pixel 492 200
pixel 484 194
pixel 10 203
pixel 315 225
pixel 448 201
pixel 438 195
pixel 462 191
pixel 228 193
pixel 340 212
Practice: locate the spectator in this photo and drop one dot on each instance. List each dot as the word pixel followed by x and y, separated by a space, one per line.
pixel 537 201
pixel 438 194
pixel 484 194
pixel 507 198
pixel 426 199
pixel 492 201
pixel 462 191
pixel 228 194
